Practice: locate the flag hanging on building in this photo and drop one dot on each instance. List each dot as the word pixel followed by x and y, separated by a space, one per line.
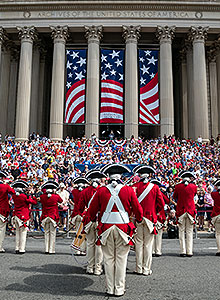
pixel 112 86
pixel 149 95
pixel 75 86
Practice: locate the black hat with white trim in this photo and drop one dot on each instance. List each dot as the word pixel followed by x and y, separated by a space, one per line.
pixel 187 174
pixel 50 185
pixel 155 181
pixel 144 170
pixel 3 174
pixel 20 184
pixel 79 180
pixel 93 174
pixel 112 169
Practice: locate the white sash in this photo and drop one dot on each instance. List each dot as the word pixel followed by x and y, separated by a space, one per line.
pixel 3 219
pixel 115 217
pixel 91 199
pixel 145 192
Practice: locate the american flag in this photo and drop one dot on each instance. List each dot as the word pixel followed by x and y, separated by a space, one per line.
pixel 112 86
pixel 75 86
pixel 149 96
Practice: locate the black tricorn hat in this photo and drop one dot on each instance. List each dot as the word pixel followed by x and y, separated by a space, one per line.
pixel 50 185
pixel 79 180
pixel 20 184
pixel 115 169
pixel 155 181
pixel 144 169
pixel 217 182
pixel 3 174
pixel 187 174
pixel 94 174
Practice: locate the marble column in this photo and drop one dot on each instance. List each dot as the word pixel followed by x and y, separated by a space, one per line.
pixel 218 77
pixel 93 35
pixel 27 36
pixel 41 91
pixel 190 88
pixel 184 96
pixel 165 35
pixel 131 34
pixel 3 38
pixel 4 89
pixel 59 35
pixel 213 93
pixel 35 88
pixel 12 92
pixel 200 97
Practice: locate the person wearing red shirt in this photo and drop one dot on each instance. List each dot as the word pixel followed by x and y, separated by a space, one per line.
pixel 151 200
pixel 216 214
pixel 21 214
pixel 5 190
pixel 184 193
pixel 50 214
pixel 94 252
pixel 115 203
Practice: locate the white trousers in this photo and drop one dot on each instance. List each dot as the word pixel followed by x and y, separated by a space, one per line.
pixel 2 233
pixel 21 236
pixel 50 236
pixel 217 234
pixel 94 252
pixel 143 248
pixel 157 244
pixel 115 253
pixel 186 244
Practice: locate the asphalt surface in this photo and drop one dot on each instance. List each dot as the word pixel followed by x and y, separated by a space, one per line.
pixel 35 275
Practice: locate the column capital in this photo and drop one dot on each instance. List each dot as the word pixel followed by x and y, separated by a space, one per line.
pixel 3 35
pixel 93 33
pixel 27 33
pixel 198 34
pixel 131 33
pixel 59 33
pixel 165 33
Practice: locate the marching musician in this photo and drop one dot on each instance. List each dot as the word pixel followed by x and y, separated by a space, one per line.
pixel 161 218
pixel 184 193
pixel 216 214
pixel 5 191
pixel 151 200
pixel 21 214
pixel 94 252
pixel 115 203
pixel 76 218
pixel 50 214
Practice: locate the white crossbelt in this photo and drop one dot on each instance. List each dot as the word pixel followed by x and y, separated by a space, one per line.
pixel 115 217
pixel 145 192
pixel 91 199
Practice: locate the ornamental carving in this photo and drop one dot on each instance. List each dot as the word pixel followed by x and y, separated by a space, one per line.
pixel 60 32
pixel 198 33
pixel 165 33
pixel 27 33
pixel 93 32
pixel 3 35
pixel 131 32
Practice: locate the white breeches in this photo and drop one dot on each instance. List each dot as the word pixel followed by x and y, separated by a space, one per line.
pixel 50 236
pixel 186 244
pixel 115 253
pixel 94 252
pixel 21 236
pixel 143 248
pixel 2 233
pixel 157 244
pixel 217 234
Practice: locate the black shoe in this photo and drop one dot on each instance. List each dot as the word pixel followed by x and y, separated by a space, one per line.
pixel 189 255
pixel 182 255
pixel 217 254
pixel 16 251
pixel 21 252
pixel 158 255
pixel 153 255
pixel 46 252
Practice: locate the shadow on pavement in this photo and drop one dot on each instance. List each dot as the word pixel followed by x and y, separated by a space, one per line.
pixel 51 269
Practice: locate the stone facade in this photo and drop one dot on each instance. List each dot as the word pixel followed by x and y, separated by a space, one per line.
pixel 35 34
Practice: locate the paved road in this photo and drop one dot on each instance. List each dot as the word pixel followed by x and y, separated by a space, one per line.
pixel 38 276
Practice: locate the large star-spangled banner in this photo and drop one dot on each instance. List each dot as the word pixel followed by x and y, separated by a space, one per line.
pixel 112 86
pixel 75 86
pixel 149 95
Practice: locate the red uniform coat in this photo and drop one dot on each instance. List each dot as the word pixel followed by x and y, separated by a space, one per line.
pixel 129 201
pixel 76 196
pixel 184 194
pixel 85 197
pixel 50 206
pixel 153 203
pixel 22 204
pixel 216 207
pixel 5 189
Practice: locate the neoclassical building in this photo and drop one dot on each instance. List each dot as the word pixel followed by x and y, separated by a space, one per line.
pixel 34 36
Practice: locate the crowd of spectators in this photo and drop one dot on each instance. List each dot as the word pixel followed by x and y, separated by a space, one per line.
pixel 40 159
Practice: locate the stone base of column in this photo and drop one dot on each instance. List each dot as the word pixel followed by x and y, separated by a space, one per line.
pixel 131 129
pixel 21 139
pixel 56 132
pixel 90 129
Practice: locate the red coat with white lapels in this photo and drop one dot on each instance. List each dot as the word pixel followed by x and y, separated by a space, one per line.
pixel 21 208
pixel 129 201
pixel 153 203
pixel 85 197
pixel 184 194
pixel 50 206
pixel 5 189
pixel 216 208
